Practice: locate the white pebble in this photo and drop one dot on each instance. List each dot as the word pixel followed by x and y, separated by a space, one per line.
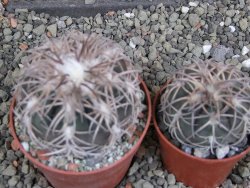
pixel 20 65
pixel 201 152
pixel 110 160
pixel 232 28
pixel 35 18
pixel 236 56
pixel 246 63
pixel 129 15
pixel 235 148
pixel 245 50
pixel 193 4
pixel 97 165
pixel 131 44
pixel 206 48
pixel 26 146
pixel 222 152
pixel 186 149
pixel 222 24
pixel 77 161
pixel 184 9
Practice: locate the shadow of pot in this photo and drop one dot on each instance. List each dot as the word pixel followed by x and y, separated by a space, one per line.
pixel 191 170
pixel 106 177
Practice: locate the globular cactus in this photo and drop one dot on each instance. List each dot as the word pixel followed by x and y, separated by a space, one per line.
pixel 207 105
pixel 78 96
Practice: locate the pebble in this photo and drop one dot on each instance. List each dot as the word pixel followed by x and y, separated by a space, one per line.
pixel 139 183
pixel 236 179
pixel 201 152
pixel 147 185
pixel 173 17
pixel 7 31
pixel 154 17
pixel 232 28
pixel 160 181
pixel 25 146
pixel 52 29
pixel 21 10
pixel 199 11
pixel 230 13
pixel 25 168
pixel 13 181
pixel 69 21
pixel 132 44
pixel 243 24
pixel 221 152
pixel 228 21
pixel 129 15
pixel 219 53
pixel 158 173
pixel 227 184
pixel 61 24
pixel 193 19
pixel 3 95
pixel 246 63
pixel 152 53
pixel 160 75
pixel 39 30
pixel 245 50
pixel 17 35
pixel 171 179
pixel 184 9
pixel 133 169
pixel 142 16
pixel 244 171
pixel 206 48
pixel 193 4
pixel 222 24
pixel 197 50
pixel 27 28
pixel 173 186
pixel 9 171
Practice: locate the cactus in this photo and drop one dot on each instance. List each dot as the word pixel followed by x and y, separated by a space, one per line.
pixel 77 96
pixel 206 105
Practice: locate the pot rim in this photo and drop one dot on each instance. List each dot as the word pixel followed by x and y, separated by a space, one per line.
pixel 103 169
pixel 166 141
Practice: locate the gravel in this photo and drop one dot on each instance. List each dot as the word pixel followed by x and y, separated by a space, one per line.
pixel 159 40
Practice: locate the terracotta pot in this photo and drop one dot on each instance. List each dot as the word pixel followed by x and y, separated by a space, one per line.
pixel 191 170
pixel 106 177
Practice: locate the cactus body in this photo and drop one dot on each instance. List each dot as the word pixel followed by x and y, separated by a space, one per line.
pixel 78 95
pixel 207 105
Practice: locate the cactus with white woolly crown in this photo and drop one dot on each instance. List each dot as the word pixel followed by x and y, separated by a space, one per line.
pixel 207 105
pixel 78 95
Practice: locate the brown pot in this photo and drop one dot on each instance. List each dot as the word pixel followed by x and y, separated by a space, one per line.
pixel 106 177
pixel 191 170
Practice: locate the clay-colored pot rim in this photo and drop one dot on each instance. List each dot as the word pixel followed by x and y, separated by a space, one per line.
pixel 55 170
pixel 166 141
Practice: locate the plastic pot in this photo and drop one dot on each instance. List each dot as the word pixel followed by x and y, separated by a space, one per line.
pixel 191 170
pixel 106 177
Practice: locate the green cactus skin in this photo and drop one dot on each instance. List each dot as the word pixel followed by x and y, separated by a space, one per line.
pixel 78 95
pixel 207 105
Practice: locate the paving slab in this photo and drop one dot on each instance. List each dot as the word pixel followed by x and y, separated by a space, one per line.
pixel 77 8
